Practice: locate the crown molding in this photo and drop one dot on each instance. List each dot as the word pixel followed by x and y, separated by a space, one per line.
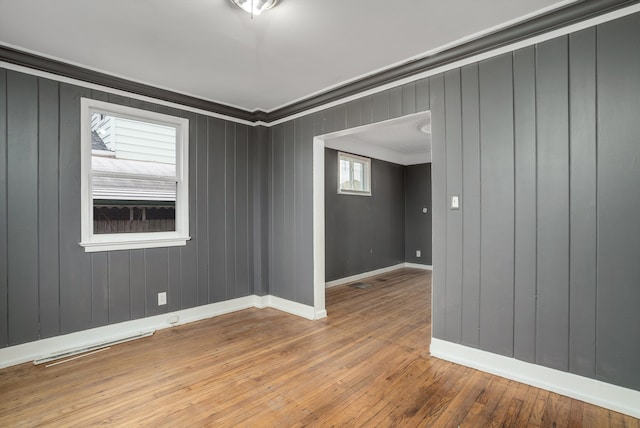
pixel 553 20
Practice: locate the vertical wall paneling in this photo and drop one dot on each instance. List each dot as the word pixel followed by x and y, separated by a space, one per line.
pixel 278 223
pixel 553 204
pixel 290 219
pixel 174 295
pixel 261 150
pixel 417 231
pixel 353 113
pixel 22 206
pixel 99 289
pixel 48 120
pixel 367 110
pixel 201 232
pixel 306 294
pixel 137 281
pixel 341 117
pixel 423 97
pixel 395 102
pixel 230 205
pixel 4 324
pixel 75 264
pixel 496 214
pixel 298 199
pixel 156 277
pixel 408 98
pixel 618 175
pixel 381 106
pixel 217 211
pixel 582 119
pixel 119 280
pixel 439 202
pixel 453 133
pixel 471 206
pixel 189 253
pixel 524 102
pixel 242 211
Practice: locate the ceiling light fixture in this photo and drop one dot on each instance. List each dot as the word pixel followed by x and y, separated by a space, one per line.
pixel 255 7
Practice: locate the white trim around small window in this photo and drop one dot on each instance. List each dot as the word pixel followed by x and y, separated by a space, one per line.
pixel 134 172
pixel 354 175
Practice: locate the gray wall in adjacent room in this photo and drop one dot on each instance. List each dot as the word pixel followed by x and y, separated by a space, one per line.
pixel 417 223
pixel 49 285
pixel 363 233
pixel 541 261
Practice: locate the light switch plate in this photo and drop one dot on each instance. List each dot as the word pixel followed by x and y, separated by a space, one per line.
pixel 455 202
pixel 162 298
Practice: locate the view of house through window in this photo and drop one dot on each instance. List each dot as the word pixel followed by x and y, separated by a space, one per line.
pixel 133 175
pixel 354 174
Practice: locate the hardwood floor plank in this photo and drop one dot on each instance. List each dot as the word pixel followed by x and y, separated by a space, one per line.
pixel 367 364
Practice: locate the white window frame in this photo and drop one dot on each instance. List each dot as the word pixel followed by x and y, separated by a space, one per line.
pixel 367 174
pixel 129 241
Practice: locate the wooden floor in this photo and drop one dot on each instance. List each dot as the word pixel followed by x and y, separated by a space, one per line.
pixel 366 365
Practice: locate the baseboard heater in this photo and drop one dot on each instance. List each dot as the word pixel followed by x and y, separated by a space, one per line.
pixel 92 347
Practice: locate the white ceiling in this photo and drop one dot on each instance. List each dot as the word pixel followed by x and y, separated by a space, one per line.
pixel 397 140
pixel 212 50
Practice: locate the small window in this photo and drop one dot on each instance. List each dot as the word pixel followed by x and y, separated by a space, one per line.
pixel 135 191
pixel 354 175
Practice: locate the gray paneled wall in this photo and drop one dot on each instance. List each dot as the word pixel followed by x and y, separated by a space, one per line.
pixel 543 146
pixel 49 285
pixel 417 230
pixel 364 233
pixel 541 261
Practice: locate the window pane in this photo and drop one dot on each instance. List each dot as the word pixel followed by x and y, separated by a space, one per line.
pixel 345 174
pixel 358 176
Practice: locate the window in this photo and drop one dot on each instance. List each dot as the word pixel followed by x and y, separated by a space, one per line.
pixel 134 166
pixel 354 175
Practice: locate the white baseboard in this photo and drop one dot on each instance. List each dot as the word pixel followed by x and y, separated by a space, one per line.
pixel 363 275
pixel 418 266
pixel 31 351
pixel 592 391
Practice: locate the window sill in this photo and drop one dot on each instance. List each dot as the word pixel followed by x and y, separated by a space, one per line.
pixel 137 244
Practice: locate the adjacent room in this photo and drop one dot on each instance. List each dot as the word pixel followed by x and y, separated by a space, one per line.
pixel 302 213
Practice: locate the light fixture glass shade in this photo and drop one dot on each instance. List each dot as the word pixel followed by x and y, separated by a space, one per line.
pixel 255 7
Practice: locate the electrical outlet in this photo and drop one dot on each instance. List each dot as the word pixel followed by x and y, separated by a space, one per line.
pixel 455 202
pixel 162 298
pixel 418 253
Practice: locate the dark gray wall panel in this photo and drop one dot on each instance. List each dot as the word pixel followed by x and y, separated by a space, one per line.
pixel 242 211
pixel 408 98
pixel 75 264
pixel 48 120
pixel 353 113
pixel 276 236
pixel 438 202
pixel 380 106
pixel 306 293
pixel 64 289
pixel 119 298
pixel 618 175
pixel 524 103
pixel 4 327
pixel 367 111
pixel 340 117
pixel 496 214
pixel 423 99
pixel 201 232
pixel 217 211
pixel 582 286
pixel 395 102
pixel 189 253
pixel 99 289
pixel 22 206
pixel 417 228
pixel 261 174
pixel 363 233
pixel 288 232
pixel 453 135
pixel 553 204
pixel 230 214
pixel 137 281
pixel 471 207
pixel 156 279
pixel 298 202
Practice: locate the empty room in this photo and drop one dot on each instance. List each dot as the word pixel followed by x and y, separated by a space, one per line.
pixel 320 213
